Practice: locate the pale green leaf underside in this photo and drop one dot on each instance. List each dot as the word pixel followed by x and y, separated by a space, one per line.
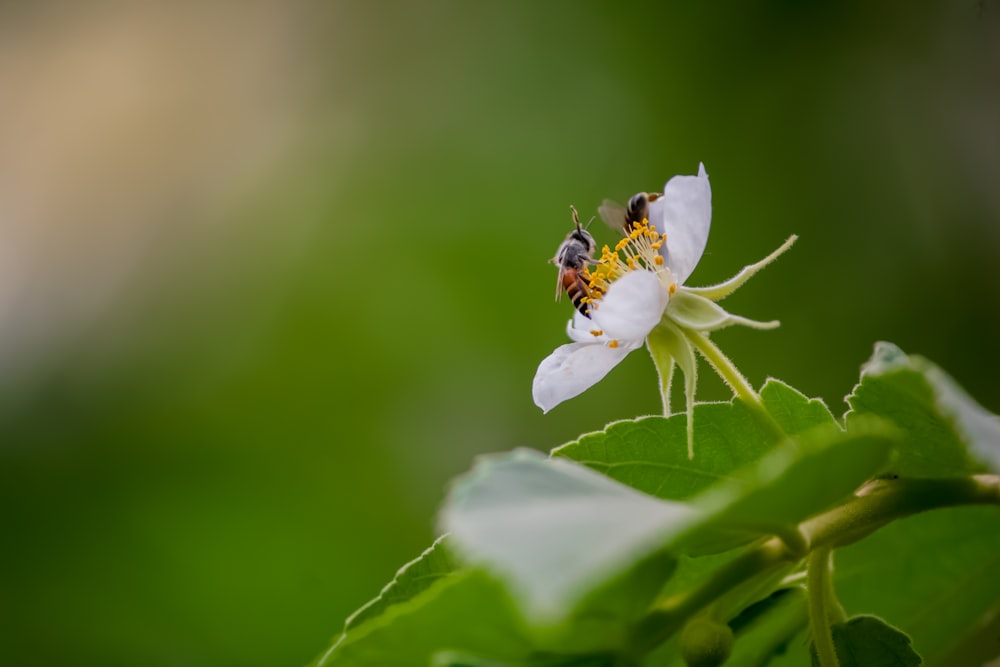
pixel 946 431
pixel 555 530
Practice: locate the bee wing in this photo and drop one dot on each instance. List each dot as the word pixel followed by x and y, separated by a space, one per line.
pixel 559 283
pixel 613 214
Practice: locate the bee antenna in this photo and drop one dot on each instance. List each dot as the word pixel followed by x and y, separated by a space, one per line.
pixel 592 218
pixel 576 216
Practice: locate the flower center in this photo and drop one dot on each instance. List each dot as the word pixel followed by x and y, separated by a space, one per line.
pixel 639 251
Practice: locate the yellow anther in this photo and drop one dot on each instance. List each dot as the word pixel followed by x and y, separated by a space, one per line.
pixel 612 343
pixel 672 289
pixel 596 332
pixel 659 260
pixel 657 245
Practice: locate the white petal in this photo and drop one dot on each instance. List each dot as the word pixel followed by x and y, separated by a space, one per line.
pixel 571 370
pixel 632 307
pixel 581 330
pixel 684 212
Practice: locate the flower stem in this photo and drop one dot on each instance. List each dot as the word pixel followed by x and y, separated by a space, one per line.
pixel 822 605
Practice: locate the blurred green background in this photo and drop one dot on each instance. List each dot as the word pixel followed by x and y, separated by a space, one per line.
pixel 272 273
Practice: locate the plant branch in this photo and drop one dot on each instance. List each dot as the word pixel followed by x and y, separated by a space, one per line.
pixel 874 505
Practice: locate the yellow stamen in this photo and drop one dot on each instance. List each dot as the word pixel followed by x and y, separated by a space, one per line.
pixel 612 343
pixel 638 250
pixel 596 332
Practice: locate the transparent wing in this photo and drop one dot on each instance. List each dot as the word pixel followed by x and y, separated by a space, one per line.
pixel 613 214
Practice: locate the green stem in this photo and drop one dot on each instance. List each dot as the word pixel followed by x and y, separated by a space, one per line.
pixel 884 500
pixel 876 504
pixel 821 602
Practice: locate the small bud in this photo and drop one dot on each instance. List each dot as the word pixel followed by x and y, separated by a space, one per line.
pixel 706 643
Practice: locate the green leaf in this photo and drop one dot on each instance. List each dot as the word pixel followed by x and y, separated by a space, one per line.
pixel 792 410
pixel 414 577
pixel 868 641
pixel 934 576
pixel 794 483
pixel 426 607
pixel 650 453
pixel 946 431
pixel 466 611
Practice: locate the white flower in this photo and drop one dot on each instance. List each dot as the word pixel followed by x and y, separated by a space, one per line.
pixel 637 296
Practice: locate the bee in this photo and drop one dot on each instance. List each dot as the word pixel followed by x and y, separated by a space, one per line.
pixel 623 219
pixel 572 258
